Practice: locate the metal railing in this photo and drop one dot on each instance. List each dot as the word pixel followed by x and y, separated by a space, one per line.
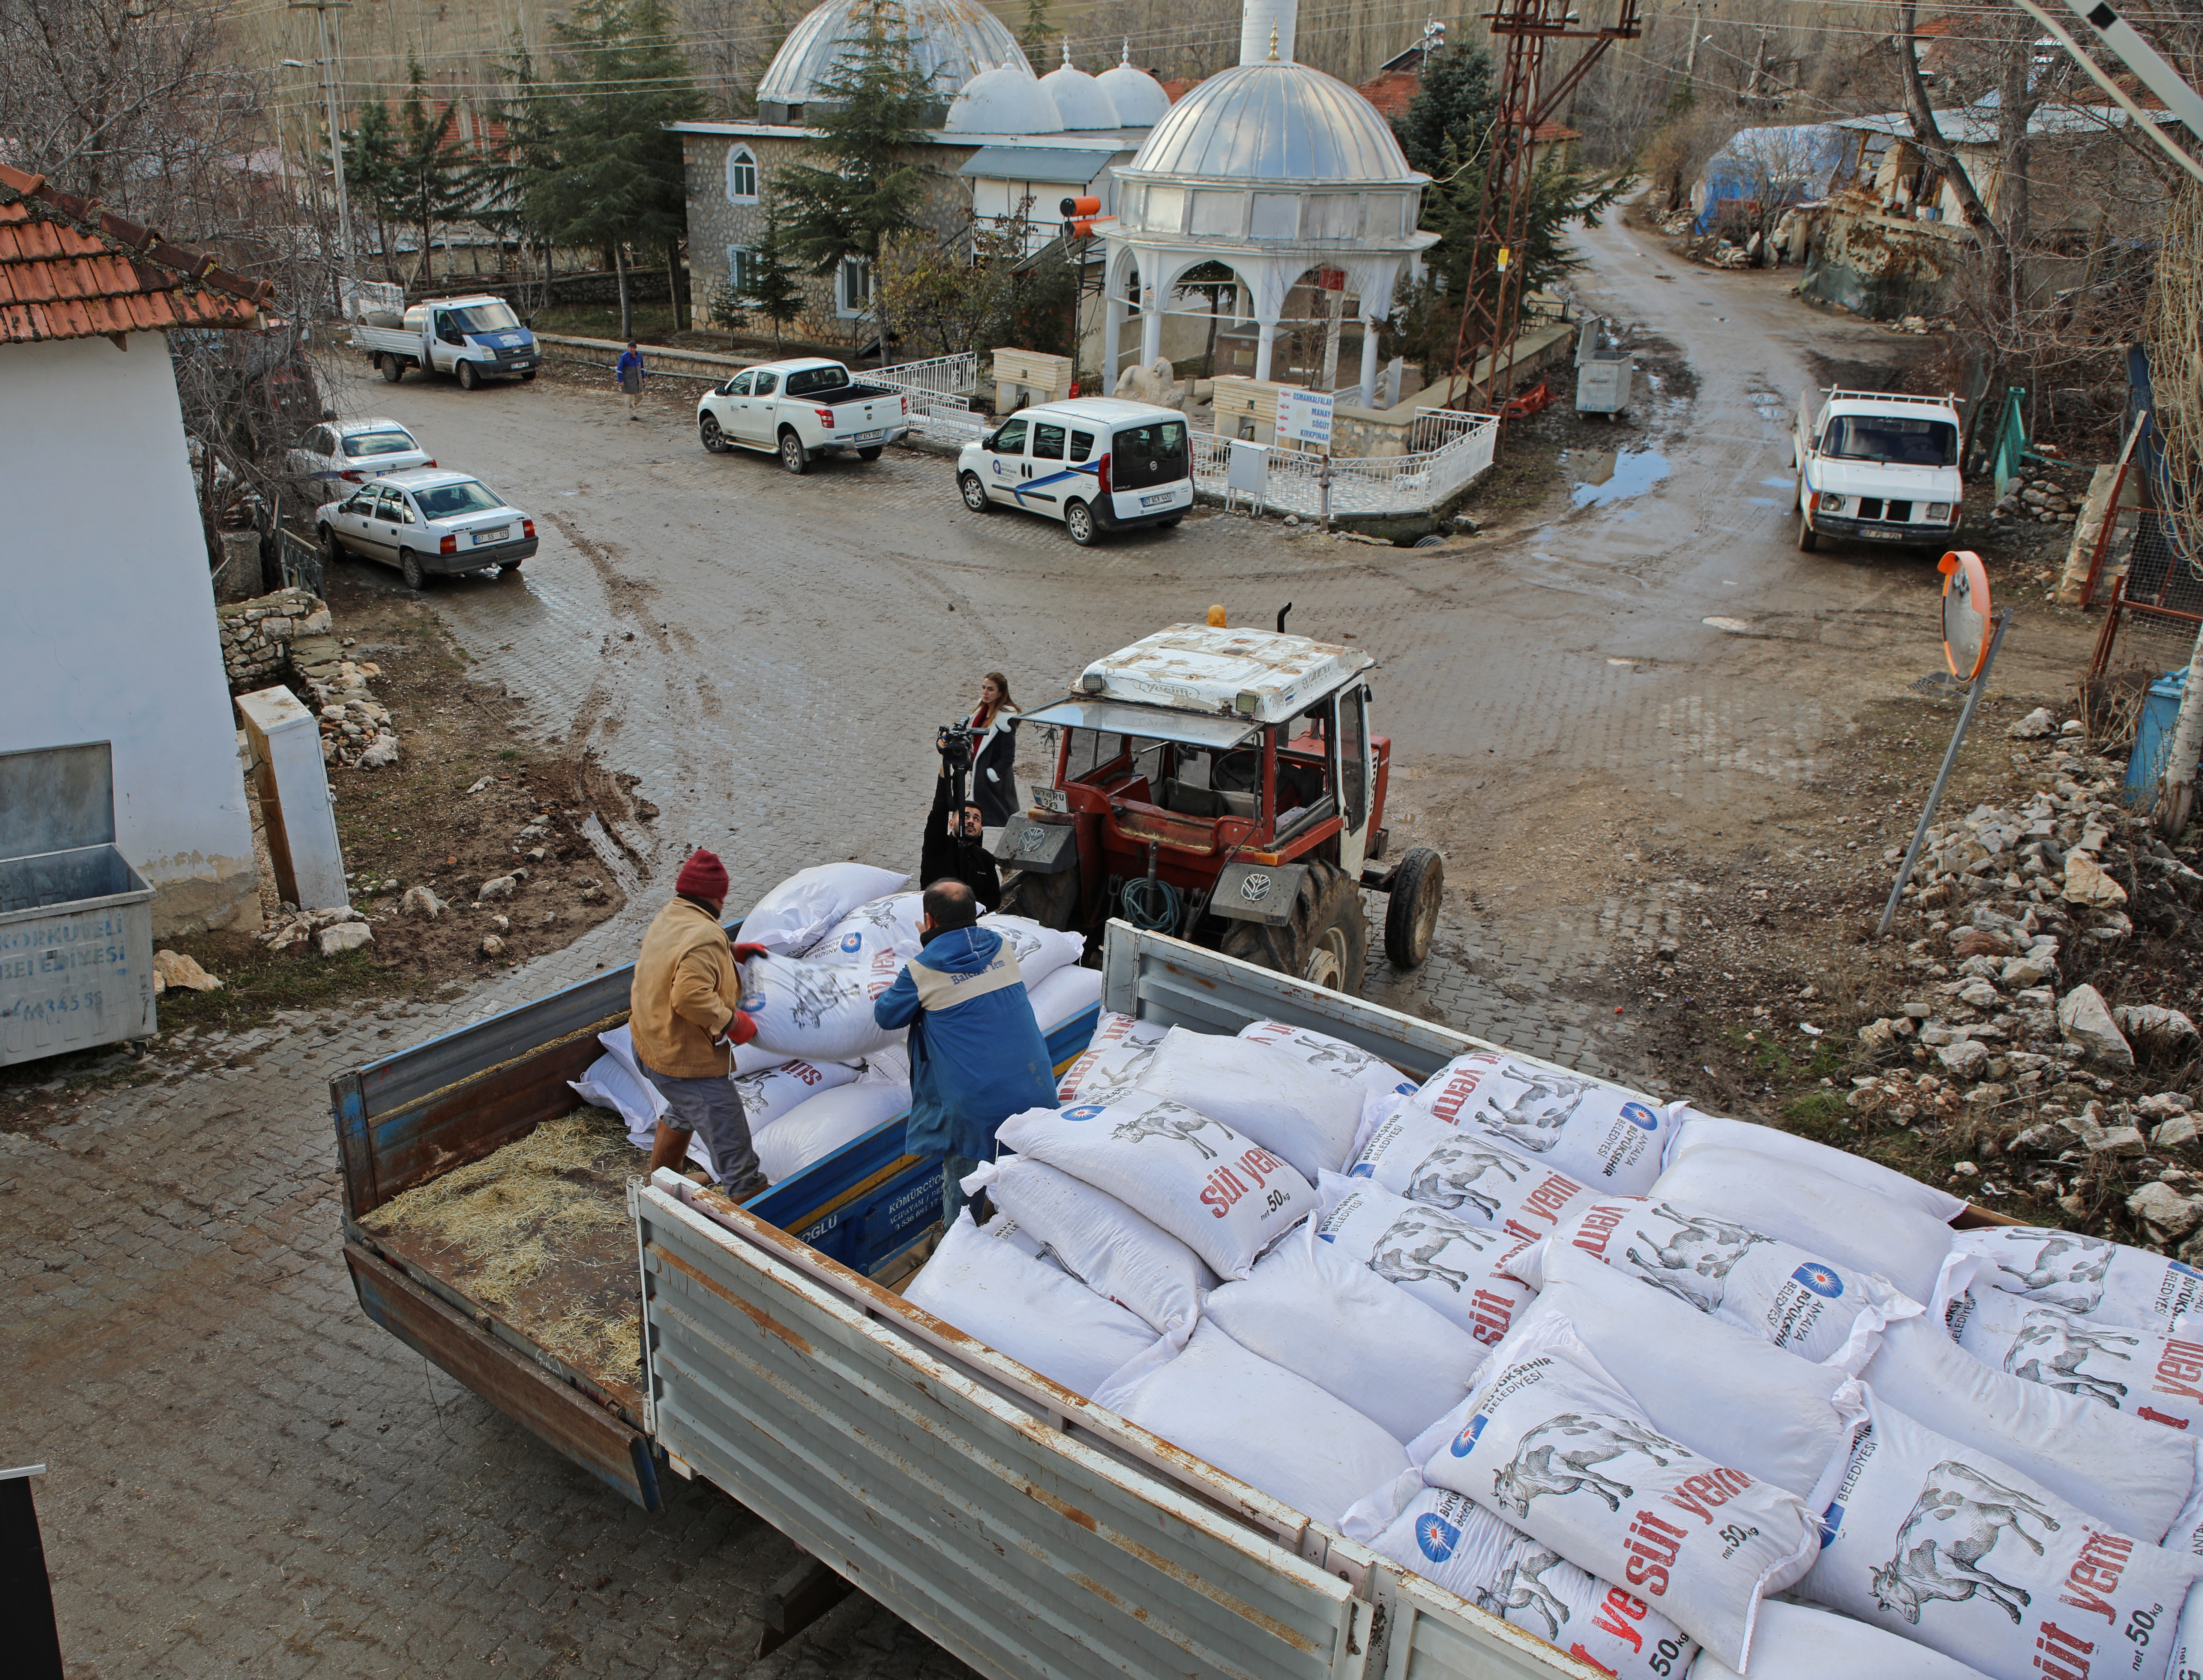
pixel 1448 449
pixel 943 376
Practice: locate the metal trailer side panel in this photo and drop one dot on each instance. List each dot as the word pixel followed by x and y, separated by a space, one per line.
pixel 1009 1529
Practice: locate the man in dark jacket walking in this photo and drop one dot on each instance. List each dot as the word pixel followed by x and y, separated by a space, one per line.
pixel 977 1056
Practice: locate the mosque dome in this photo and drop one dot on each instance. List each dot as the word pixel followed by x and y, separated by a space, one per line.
pixel 1274 121
pixel 1080 99
pixel 1139 98
pixel 1006 100
pixel 952 40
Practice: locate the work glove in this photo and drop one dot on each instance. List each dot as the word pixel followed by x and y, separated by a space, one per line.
pixel 738 1029
pixel 746 953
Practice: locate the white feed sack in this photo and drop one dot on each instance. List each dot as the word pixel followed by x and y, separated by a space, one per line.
pixel 808 1132
pixel 1275 1431
pixel 609 1082
pixel 1113 1061
pixel 1796 1641
pixel 1040 951
pixel 1451 1541
pixel 1437 1256
pixel 1323 1317
pixel 1699 1131
pixel 1604 1134
pixel 1064 996
pixel 1841 1222
pixel 2145 1373
pixel 1785 1294
pixel 888 923
pixel 819 1011
pixel 2135 1475
pixel 1722 1392
pixel 1466 1170
pixel 1116 1251
pixel 1331 1055
pixel 779 1090
pixel 1016 1304
pixel 2087 1275
pixel 805 905
pixel 1945 1545
pixel 1553 1444
pixel 1224 1196
pixel 1300 1114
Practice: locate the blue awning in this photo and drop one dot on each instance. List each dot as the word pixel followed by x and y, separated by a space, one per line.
pixel 1056 165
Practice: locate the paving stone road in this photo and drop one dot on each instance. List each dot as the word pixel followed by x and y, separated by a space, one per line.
pixel 248 1477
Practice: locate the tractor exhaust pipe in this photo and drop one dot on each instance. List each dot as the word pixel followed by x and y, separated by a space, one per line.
pixel 1282 611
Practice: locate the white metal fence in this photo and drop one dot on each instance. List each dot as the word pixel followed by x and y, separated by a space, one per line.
pixel 1447 449
pixel 943 376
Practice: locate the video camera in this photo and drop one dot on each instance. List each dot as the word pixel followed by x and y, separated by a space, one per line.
pixel 953 744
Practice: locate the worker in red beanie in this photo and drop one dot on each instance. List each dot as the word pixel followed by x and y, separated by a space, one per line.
pixel 686 1019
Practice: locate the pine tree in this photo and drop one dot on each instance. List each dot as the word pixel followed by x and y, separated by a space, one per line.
pixel 775 290
pixel 433 179
pixel 372 174
pixel 528 151
pixel 1454 107
pixel 873 111
pixel 615 177
pixel 1035 33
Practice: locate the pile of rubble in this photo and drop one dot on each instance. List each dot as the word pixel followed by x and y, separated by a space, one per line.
pixel 2045 493
pixel 256 636
pixel 328 931
pixel 2002 1058
pixel 356 728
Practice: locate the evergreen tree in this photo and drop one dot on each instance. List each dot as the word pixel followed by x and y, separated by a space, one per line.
pixel 873 111
pixel 615 177
pixel 1454 107
pixel 1034 35
pixel 372 172
pixel 775 290
pixel 433 177
pixel 528 151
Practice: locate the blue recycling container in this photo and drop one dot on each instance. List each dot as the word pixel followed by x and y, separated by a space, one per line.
pixel 2153 737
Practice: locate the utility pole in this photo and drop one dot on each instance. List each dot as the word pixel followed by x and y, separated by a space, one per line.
pixel 321 10
pixel 1691 52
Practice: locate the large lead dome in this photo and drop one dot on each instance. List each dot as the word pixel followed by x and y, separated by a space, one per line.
pixel 952 41
pixel 1273 122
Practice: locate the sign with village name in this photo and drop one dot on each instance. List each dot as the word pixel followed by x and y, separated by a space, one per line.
pixel 1305 417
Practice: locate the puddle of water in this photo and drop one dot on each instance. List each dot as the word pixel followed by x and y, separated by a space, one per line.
pixel 1604 476
pixel 1774 396
pixel 1784 483
pixel 1733 625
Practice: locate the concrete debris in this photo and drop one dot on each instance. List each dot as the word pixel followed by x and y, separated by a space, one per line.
pixel 2179 1129
pixel 173 968
pixel 381 755
pixel 421 901
pixel 2121 1143
pixel 2046 1138
pixel 483 783
pixel 493 946
pixel 2084 1019
pixel 2167 1213
pixel 497 888
pixel 345 936
pixel 1980 994
pixel 2156 1030
pixel 2040 725
pixel 1965 1058
pixel 2163 1106
pixel 2086 883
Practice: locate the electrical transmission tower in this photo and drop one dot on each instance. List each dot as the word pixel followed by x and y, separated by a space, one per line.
pixel 1493 302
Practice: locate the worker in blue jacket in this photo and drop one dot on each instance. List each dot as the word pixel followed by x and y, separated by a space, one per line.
pixel 977 1056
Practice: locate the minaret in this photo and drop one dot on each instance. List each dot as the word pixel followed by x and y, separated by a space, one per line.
pixel 1266 31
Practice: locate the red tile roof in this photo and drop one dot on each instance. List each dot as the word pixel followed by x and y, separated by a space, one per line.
pixel 1394 91
pixel 69 269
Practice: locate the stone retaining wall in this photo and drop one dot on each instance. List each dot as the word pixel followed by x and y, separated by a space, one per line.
pixel 257 634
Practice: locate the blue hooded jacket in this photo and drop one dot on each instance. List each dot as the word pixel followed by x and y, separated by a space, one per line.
pixel 977 1056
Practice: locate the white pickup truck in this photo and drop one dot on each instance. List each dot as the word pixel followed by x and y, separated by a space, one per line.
pixel 801 409
pixel 1877 466
pixel 476 337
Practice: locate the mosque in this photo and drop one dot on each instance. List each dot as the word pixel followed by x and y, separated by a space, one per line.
pixel 1289 178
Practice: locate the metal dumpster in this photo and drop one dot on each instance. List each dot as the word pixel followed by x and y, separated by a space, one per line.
pixel 1606 378
pixel 76 921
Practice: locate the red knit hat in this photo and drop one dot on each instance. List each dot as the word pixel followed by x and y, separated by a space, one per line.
pixel 703 876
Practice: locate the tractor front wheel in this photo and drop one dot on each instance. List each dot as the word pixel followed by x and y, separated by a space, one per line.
pixel 1326 942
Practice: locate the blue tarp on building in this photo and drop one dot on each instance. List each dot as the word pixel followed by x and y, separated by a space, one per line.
pixel 1781 166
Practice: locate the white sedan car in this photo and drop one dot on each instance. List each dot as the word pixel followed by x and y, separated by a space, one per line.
pixel 426 522
pixel 341 452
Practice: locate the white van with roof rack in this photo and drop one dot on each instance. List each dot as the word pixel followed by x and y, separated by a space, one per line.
pixel 1094 462
pixel 1879 466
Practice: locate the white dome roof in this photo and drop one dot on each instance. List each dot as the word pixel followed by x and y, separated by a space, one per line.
pixel 1139 98
pixel 952 41
pixel 1008 100
pixel 1274 121
pixel 1080 99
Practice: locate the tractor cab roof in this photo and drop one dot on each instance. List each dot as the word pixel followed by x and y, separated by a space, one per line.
pixel 1257 676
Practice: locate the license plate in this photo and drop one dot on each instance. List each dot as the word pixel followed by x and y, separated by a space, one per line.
pixel 1051 799
pixel 871 437
pixel 497 536
pixel 1163 500
pixel 1884 536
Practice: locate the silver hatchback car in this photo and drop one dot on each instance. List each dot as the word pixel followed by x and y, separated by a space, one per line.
pixel 426 522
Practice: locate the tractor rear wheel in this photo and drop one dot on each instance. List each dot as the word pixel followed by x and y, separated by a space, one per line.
pixel 1325 943
pixel 1052 900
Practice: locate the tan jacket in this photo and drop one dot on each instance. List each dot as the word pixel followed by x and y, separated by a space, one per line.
pixel 686 990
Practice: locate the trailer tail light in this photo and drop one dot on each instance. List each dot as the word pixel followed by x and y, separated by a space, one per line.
pixel 448 545
pixel 528 530
pixel 1101 473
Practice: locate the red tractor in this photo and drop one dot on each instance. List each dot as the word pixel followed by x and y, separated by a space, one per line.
pixel 1222 785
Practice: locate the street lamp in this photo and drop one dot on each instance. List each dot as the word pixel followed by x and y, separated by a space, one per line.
pixel 321 10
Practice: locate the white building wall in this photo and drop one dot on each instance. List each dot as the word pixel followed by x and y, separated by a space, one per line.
pixel 109 616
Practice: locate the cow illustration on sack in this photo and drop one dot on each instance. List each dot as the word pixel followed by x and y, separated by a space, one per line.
pixel 2075 1284
pixel 1969 1513
pixel 2052 1348
pixel 1409 1250
pixel 1520 1586
pixel 1556 1459
pixel 1449 1175
pixel 1694 1262
pixel 1534 1119
pixel 814 994
pixel 1169 1120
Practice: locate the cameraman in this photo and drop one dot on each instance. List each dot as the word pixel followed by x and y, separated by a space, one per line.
pixel 957 850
